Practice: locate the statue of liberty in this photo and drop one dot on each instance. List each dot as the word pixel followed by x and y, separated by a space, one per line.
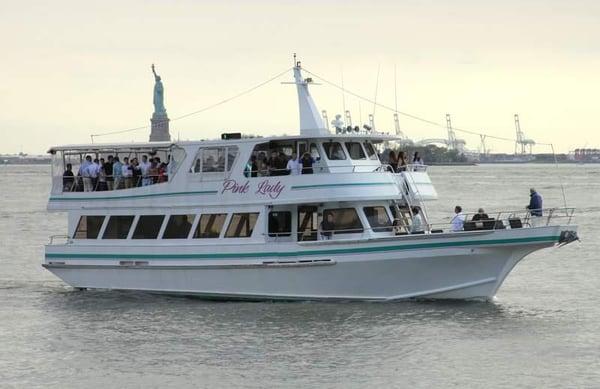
pixel 159 98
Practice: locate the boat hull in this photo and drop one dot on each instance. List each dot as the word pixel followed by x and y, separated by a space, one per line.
pixel 452 266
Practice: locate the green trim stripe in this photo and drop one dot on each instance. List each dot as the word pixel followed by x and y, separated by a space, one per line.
pixel 375 249
pixel 205 192
pixel 338 185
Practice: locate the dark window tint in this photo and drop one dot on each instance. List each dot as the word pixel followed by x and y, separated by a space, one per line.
pixel 210 225
pixel 378 219
pixel 345 220
pixel 178 227
pixel 241 225
pixel 280 223
pixel 355 150
pixel 118 227
pixel 334 151
pixel 148 227
pixel 88 227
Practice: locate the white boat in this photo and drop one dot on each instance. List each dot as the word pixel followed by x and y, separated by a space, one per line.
pixel 214 225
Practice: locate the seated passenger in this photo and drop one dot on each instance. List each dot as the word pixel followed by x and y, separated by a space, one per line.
pixel 458 221
pixel 393 161
pixel 327 227
pixel 402 162
pixel 417 222
pixel 68 179
pixel 480 215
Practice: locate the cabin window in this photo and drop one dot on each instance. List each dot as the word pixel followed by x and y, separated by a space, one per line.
pixel 280 223
pixel 178 226
pixel 307 223
pixel 355 150
pixel 370 150
pixel 214 159
pixel 210 225
pixel 334 151
pixel 232 152
pixel 88 227
pixel 118 227
pixel 148 227
pixel 378 218
pixel 241 225
pixel 345 220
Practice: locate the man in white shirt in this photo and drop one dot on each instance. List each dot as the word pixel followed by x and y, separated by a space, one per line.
pixel 417 222
pixel 145 170
pixel 84 173
pixel 294 166
pixel 458 221
pixel 127 173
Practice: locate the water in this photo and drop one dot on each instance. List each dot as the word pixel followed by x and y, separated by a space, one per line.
pixel 543 330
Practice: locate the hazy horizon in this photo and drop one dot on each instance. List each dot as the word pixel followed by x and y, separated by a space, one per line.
pixel 73 69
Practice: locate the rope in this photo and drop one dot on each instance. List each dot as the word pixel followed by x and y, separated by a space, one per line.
pixel 415 117
pixel 240 94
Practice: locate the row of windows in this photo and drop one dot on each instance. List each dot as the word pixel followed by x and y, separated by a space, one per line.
pixel 178 226
pixel 241 225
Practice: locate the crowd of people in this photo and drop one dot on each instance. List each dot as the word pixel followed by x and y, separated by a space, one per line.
pixel 112 174
pixel 279 164
pixel 400 161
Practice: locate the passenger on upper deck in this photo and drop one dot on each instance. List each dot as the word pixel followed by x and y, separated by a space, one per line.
pixel 108 169
pixel 294 166
pixel 251 169
pixel 68 179
pixel 127 173
pixel 84 173
pixel 393 161
pixel 117 172
pixel 307 163
pixel 402 162
pixel 145 171
pixel 417 222
pixel 417 159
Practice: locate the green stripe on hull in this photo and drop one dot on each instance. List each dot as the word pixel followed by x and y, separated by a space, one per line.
pixel 537 239
pixel 206 192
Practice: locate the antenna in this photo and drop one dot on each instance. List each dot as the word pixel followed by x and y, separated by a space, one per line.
pixel 343 91
pixel 376 89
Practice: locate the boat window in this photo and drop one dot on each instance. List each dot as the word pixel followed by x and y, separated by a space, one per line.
pixel 210 225
pixel 118 227
pixel 88 227
pixel 213 159
pixel 232 152
pixel 307 223
pixel 314 151
pixel 178 226
pixel 334 151
pixel 345 220
pixel 148 227
pixel 355 150
pixel 370 150
pixel 378 219
pixel 280 223
pixel 241 225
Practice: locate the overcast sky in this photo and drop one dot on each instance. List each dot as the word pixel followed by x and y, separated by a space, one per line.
pixel 73 68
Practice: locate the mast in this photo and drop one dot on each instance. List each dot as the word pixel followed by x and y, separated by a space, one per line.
pixel 311 123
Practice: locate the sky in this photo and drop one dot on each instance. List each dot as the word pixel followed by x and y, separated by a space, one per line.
pixel 75 68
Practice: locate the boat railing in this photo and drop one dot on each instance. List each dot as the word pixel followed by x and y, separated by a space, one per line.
pixel 109 182
pixel 500 220
pixel 59 239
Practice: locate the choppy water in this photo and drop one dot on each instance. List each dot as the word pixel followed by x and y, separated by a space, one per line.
pixel 543 330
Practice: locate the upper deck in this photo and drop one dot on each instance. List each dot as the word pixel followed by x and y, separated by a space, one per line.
pixel 343 167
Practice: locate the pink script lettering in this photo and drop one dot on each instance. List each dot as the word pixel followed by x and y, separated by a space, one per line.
pixel 233 187
pixel 267 188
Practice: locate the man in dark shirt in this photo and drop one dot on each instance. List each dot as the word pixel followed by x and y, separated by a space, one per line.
pixel 327 226
pixel 108 169
pixel 68 179
pixel 480 215
pixel 535 203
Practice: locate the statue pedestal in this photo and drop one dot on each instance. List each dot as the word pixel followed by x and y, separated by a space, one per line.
pixel 159 130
